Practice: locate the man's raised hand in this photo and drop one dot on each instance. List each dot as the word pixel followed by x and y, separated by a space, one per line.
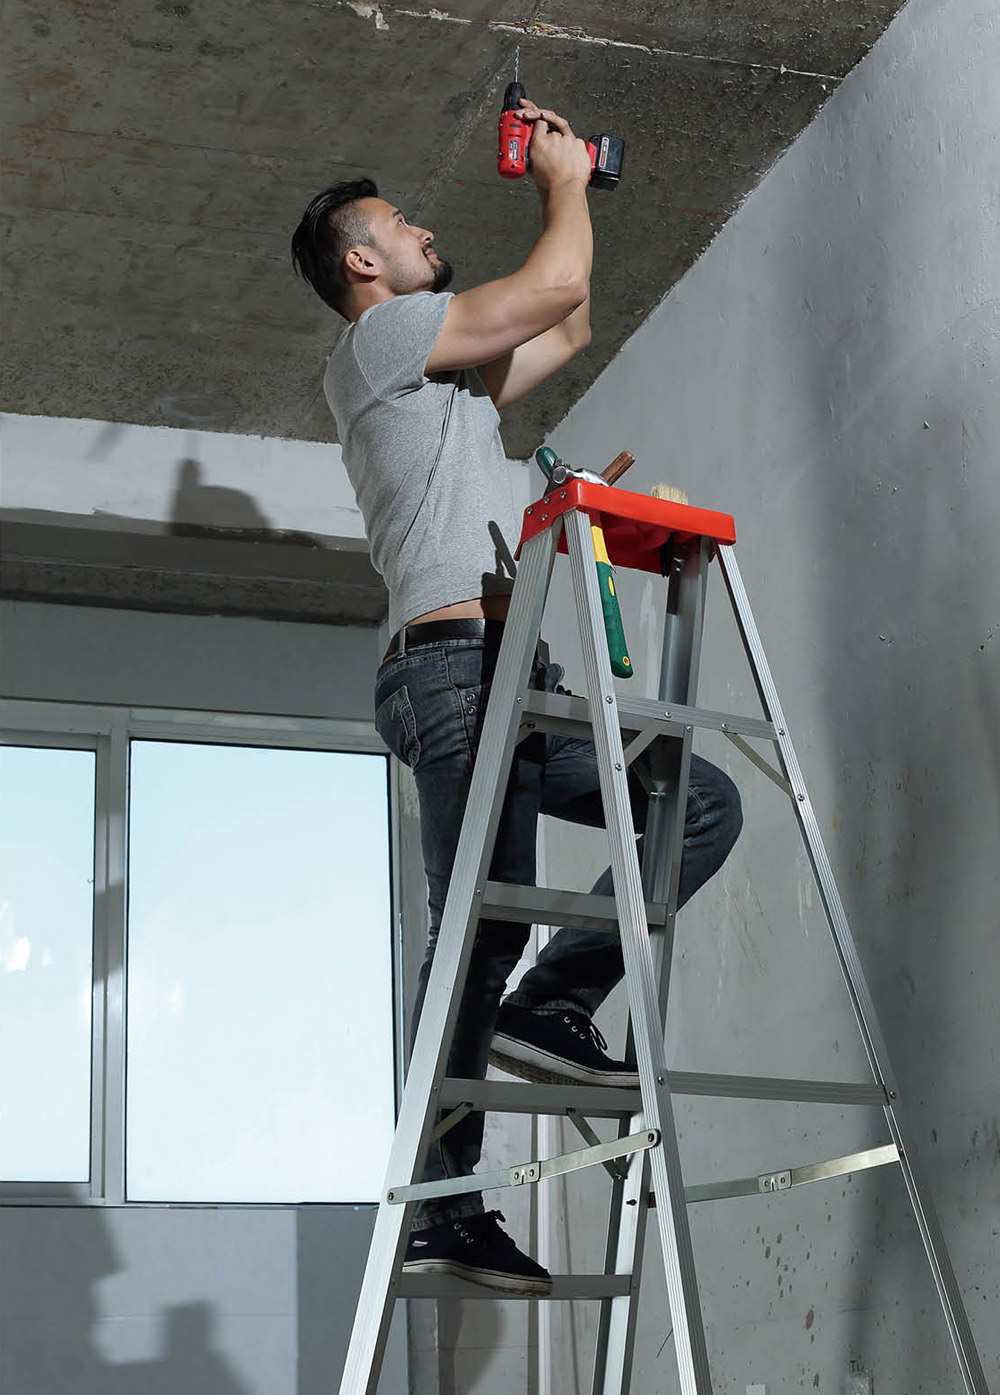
pixel 557 155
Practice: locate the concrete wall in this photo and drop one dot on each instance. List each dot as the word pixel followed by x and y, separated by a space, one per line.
pixel 828 373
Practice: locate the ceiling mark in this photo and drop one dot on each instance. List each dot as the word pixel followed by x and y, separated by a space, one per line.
pixel 539 29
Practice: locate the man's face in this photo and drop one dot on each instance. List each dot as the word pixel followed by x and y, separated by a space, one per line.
pixel 409 260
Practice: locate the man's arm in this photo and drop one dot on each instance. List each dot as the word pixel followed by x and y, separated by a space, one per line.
pixel 507 325
pixel 513 376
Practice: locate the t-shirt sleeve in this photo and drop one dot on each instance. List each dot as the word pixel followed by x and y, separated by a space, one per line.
pixel 392 341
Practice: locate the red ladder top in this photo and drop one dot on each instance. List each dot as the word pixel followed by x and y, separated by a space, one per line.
pixel 635 525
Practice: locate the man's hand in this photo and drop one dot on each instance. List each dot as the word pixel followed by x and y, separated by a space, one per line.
pixel 523 327
pixel 557 155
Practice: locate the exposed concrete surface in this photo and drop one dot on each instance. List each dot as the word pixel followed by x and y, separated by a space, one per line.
pixel 157 157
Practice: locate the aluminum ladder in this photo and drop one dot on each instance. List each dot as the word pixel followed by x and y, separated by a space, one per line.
pixel 679 543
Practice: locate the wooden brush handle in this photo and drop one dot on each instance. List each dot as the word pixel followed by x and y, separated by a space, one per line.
pixel 618 466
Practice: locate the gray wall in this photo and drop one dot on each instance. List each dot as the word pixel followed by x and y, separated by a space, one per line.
pixel 211 663
pixel 156 1300
pixel 828 373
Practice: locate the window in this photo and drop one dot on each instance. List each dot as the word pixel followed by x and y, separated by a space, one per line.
pixel 203 1012
pixel 259 992
pixel 46 964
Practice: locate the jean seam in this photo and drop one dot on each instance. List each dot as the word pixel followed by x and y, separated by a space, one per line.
pixel 471 743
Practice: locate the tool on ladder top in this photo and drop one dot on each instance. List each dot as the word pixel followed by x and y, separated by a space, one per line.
pixel 558 473
pixel 677 541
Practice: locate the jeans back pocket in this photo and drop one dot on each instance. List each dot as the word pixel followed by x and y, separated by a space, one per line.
pixel 397 726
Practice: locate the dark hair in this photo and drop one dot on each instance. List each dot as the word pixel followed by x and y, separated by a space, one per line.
pixel 330 227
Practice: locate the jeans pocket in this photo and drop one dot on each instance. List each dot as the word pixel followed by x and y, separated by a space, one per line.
pixel 397 726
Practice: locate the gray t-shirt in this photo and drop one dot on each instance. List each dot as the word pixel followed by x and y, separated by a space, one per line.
pixel 437 493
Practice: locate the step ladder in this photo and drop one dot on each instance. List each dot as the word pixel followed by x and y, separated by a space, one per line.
pixel 679 543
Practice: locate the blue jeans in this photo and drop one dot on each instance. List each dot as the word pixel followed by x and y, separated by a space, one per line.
pixel 429 708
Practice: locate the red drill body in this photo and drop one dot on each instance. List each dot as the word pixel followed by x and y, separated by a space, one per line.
pixel 514 137
pixel 515 133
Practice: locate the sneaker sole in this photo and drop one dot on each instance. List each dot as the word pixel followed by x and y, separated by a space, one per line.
pixel 542 1067
pixel 487 1278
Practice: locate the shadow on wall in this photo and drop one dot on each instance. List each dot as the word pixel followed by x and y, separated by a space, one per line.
pixel 53 1338
pixel 332 1247
pixel 200 510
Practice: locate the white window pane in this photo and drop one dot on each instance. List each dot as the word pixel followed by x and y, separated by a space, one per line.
pixel 46 958
pixel 260 1042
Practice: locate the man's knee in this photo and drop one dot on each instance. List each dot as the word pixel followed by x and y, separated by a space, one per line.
pixel 721 804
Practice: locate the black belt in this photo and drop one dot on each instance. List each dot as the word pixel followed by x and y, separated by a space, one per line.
pixel 435 631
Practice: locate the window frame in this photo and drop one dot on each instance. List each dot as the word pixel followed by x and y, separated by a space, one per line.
pixel 108 731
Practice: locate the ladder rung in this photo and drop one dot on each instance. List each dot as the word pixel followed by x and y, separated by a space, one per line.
pixel 601 1101
pixel 543 905
pixel 564 1287
pixel 520 1097
pixel 571 716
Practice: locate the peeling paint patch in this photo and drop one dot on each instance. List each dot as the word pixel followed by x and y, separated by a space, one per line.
pixel 370 12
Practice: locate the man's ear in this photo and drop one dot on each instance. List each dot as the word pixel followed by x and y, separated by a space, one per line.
pixel 362 263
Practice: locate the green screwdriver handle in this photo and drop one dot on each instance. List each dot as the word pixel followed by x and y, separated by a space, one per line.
pixel 546 458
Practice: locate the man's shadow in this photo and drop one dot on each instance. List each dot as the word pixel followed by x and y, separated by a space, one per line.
pixel 200 510
pixel 55 1259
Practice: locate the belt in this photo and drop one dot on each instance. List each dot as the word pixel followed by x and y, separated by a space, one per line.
pixel 435 631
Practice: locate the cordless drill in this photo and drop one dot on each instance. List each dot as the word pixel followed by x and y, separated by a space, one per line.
pixel 606 152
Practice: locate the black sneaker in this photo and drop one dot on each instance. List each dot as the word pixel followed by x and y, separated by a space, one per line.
pixel 475 1248
pixel 564 1048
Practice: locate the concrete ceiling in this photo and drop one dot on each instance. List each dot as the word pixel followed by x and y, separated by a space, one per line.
pixel 158 154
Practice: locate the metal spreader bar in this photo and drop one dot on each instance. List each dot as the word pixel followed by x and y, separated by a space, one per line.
pixel 529 1172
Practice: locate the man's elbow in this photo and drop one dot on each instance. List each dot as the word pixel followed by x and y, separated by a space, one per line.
pixel 582 336
pixel 576 292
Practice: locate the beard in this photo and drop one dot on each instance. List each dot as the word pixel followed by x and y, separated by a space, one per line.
pixel 442 275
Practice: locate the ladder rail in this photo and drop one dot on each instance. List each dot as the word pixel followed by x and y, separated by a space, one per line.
pixel 931 1234
pixel 667 769
pixel 451 960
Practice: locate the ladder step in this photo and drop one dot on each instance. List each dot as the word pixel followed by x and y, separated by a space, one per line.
pixel 571 716
pixel 602 1101
pixel 564 1287
pixel 543 905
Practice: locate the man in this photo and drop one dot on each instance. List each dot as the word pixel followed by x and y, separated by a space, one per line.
pixel 415 383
